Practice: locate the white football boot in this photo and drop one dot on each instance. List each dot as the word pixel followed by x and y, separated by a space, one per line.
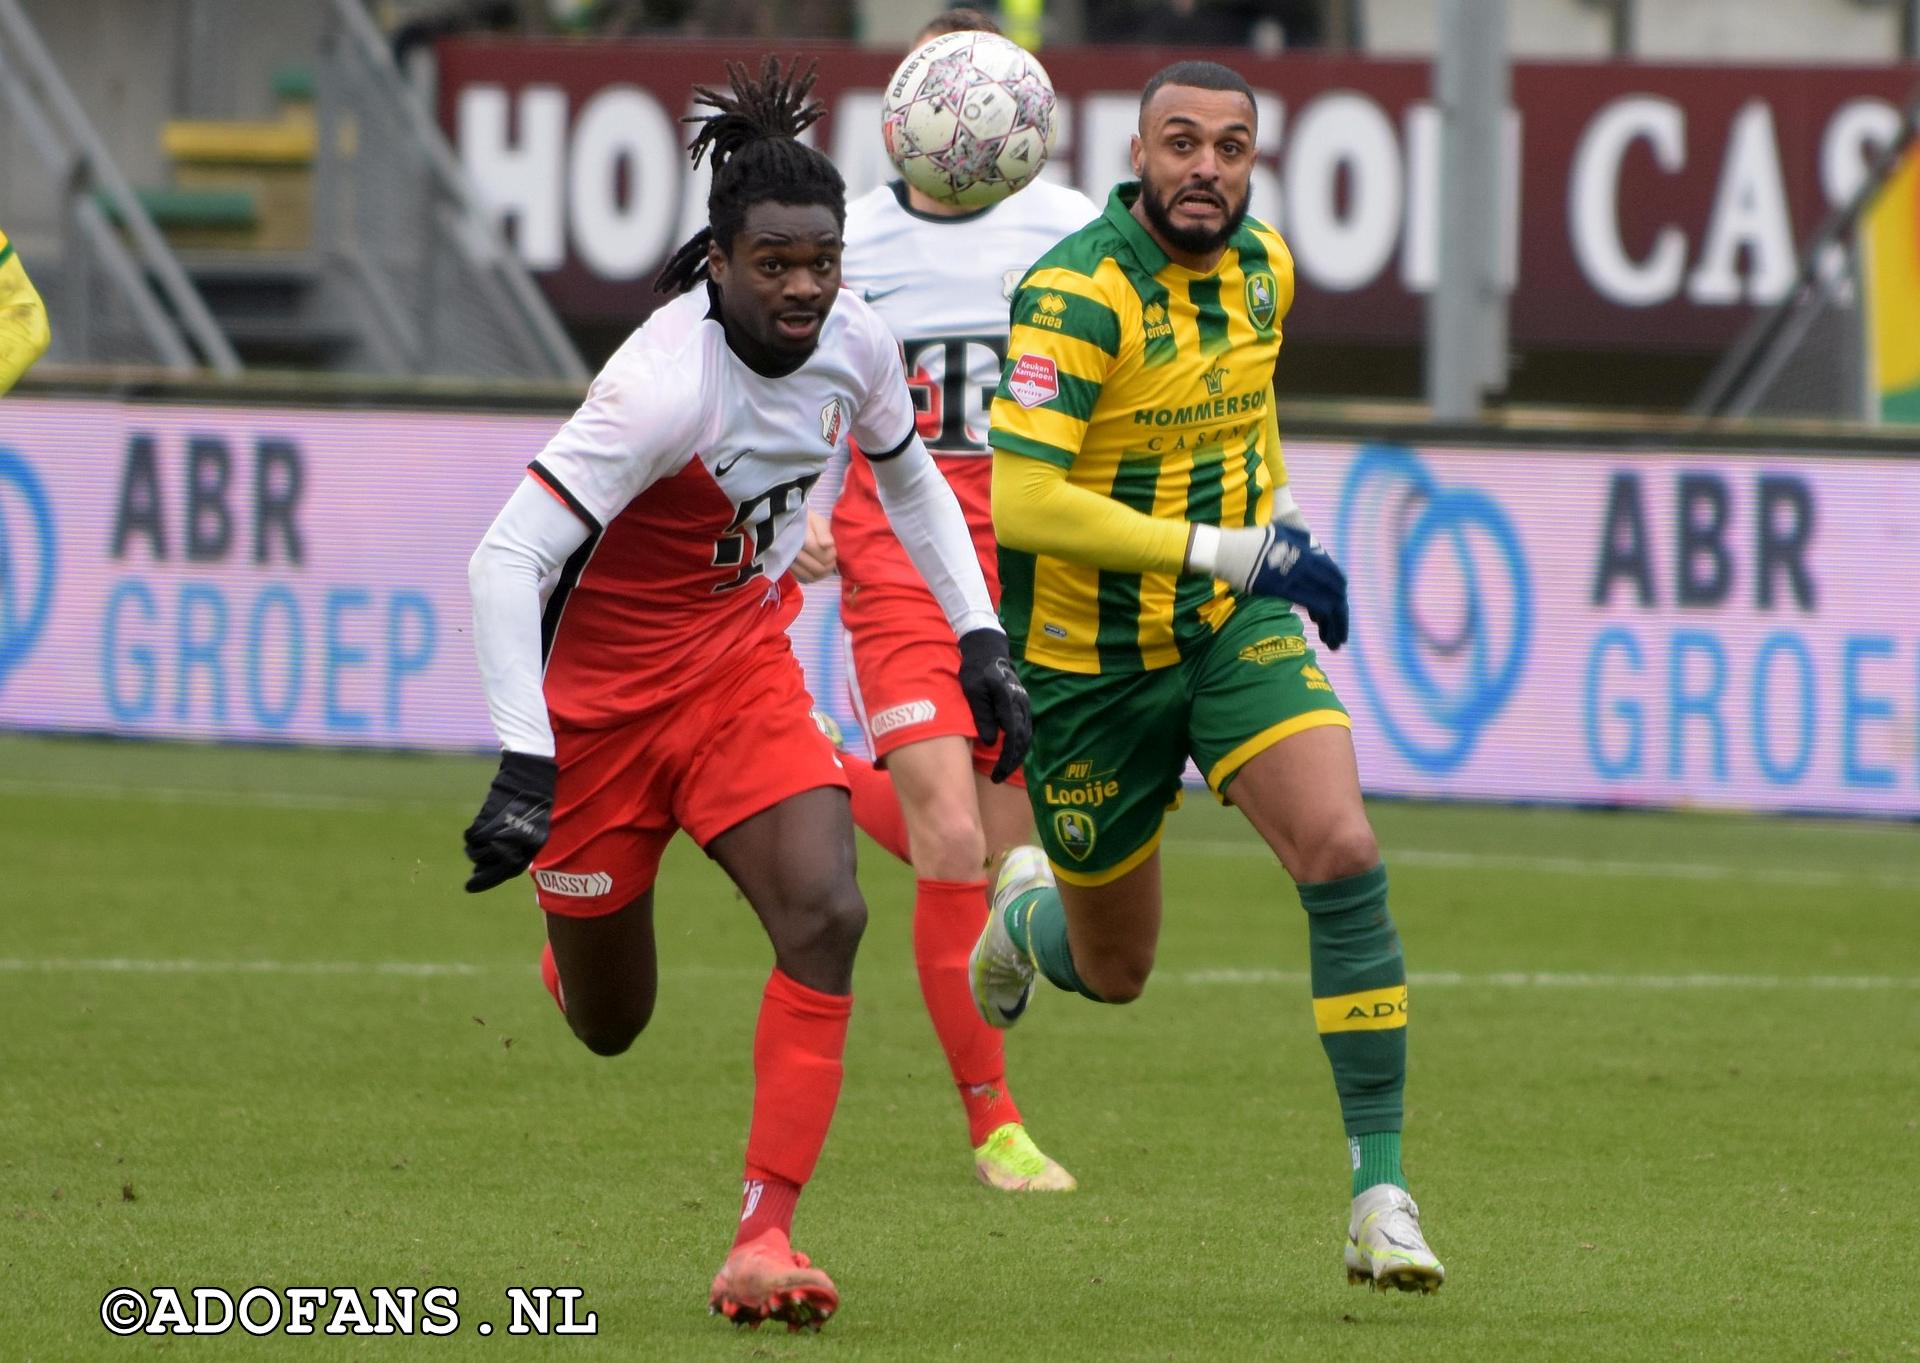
pixel 1001 973
pixel 1384 1245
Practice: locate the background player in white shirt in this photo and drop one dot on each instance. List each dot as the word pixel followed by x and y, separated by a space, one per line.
pixel 658 526
pixel 940 277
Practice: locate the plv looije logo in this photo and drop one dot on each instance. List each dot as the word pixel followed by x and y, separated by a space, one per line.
pixel 27 556
pixel 1443 604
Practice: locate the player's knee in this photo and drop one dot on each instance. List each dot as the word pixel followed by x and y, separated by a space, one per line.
pixel 947 844
pixel 1346 850
pixel 827 917
pixel 1119 979
pixel 611 1034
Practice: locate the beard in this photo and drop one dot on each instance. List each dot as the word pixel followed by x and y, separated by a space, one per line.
pixel 1197 241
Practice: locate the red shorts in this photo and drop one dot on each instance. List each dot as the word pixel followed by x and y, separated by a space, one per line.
pixel 740 744
pixel 904 672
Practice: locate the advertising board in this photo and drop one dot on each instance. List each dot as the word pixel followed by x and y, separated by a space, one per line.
pixel 1725 630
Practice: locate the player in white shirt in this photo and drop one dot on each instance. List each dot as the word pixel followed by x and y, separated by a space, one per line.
pixel 940 277
pixel 630 613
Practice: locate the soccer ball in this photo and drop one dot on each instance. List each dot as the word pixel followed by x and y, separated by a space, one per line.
pixel 969 118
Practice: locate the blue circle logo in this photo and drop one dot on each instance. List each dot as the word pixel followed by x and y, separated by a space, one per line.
pixel 1443 606
pixel 26 560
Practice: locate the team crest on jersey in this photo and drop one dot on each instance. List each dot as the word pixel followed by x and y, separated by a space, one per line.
pixel 1075 832
pixel 832 417
pixel 1034 380
pixel 1261 294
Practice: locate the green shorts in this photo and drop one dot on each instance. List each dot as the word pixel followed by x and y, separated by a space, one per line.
pixel 1108 751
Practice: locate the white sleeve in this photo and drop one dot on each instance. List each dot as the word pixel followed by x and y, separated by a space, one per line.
pixel 926 516
pixel 886 419
pixel 526 544
pixel 638 424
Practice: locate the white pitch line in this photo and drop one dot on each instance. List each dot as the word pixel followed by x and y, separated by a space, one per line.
pixel 122 965
pixel 1426 858
pixel 1443 979
pixel 1451 860
pixel 187 795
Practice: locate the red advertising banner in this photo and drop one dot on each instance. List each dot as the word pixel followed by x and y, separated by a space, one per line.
pixel 1654 206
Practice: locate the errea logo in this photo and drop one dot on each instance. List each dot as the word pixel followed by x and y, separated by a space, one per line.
pixel 1046 313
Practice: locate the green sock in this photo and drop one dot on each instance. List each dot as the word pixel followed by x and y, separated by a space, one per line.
pixel 1376 1159
pixel 1038 925
pixel 1360 1008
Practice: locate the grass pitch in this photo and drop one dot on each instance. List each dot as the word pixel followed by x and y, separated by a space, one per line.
pixel 1665 1097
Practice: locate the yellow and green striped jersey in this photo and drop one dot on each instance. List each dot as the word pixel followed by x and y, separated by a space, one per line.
pixel 1153 385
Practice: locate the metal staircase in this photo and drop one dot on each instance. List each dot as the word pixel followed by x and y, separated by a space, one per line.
pixel 342 237
pixel 115 294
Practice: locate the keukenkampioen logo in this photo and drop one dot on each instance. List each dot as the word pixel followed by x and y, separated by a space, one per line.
pixel 28 553
pixel 1442 603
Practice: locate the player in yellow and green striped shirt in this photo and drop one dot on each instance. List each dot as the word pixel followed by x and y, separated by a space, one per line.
pixel 1150 560
pixel 23 318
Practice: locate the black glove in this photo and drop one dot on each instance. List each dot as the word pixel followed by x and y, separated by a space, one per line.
pixel 1294 566
pixel 998 700
pixel 512 824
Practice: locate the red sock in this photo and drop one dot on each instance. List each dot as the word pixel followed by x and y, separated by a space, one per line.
pixel 796 1082
pixel 766 1203
pixel 876 808
pixel 947 917
pixel 550 977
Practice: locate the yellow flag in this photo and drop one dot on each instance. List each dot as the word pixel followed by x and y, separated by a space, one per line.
pixel 1892 235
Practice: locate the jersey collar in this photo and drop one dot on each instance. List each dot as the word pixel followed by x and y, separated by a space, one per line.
pixel 1119 212
pixel 899 188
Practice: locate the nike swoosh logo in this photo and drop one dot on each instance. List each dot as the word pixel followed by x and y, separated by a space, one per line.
pixel 721 470
pixel 875 295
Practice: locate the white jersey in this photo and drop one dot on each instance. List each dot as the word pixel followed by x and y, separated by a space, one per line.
pixel 678 436
pixel 685 474
pixel 943 286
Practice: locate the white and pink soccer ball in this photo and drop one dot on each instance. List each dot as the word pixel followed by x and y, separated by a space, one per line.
pixel 969 118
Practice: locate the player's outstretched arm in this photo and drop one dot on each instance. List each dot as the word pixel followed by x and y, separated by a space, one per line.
pixel 531 537
pixel 926 516
pixel 1037 510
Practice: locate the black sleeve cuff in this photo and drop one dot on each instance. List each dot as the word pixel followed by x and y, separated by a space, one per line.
pixel 897 450
pixel 559 489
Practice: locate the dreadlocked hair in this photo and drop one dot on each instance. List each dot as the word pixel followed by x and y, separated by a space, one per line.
pixel 750 143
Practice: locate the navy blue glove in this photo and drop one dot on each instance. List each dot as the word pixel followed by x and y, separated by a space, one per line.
pixel 996 697
pixel 1291 564
pixel 511 826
